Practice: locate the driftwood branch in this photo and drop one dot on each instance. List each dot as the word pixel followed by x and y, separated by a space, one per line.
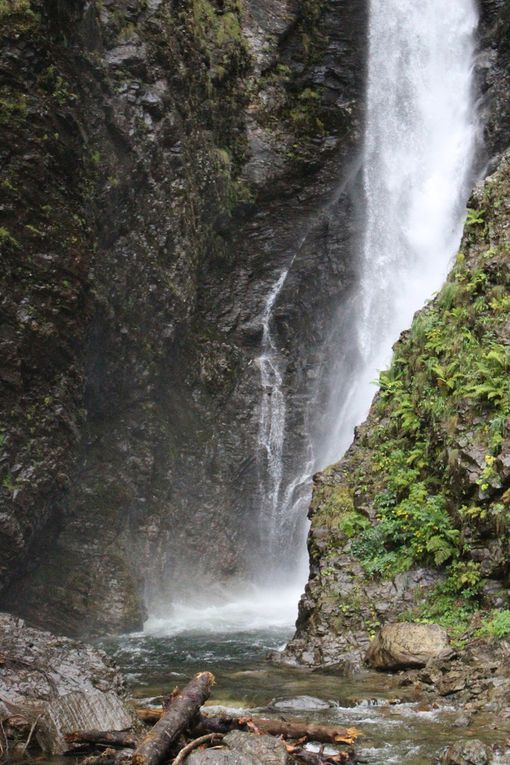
pixel 156 746
pixel 210 738
pixel 294 729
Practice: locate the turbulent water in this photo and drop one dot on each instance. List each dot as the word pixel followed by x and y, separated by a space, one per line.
pixel 395 728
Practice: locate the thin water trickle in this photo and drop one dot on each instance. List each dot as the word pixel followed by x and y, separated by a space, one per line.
pixel 271 425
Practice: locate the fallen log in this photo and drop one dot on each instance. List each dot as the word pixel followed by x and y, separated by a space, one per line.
pixel 174 720
pixel 113 738
pixel 295 729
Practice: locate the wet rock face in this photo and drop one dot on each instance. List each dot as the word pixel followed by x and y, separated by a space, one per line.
pixel 404 645
pixel 493 68
pixel 189 150
pixel 65 685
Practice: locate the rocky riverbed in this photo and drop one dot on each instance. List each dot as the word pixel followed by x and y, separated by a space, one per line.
pixel 51 686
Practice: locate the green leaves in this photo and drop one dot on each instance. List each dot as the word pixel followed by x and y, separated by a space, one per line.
pixel 475 217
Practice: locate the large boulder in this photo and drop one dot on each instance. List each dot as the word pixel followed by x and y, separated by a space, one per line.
pixel 404 645
pixel 243 749
pixel 60 684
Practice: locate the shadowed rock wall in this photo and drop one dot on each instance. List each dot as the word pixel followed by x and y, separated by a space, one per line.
pixel 161 162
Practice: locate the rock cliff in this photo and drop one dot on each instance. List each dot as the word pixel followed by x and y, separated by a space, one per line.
pixel 160 163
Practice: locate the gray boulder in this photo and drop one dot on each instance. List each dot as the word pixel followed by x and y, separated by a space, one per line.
pixel 404 645
pixel 60 683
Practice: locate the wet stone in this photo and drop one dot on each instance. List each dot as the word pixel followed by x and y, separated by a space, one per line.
pixel 243 749
pixel 300 703
pixel 472 752
pixel 63 684
pixel 403 645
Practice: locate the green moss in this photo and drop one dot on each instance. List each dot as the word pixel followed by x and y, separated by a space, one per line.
pixel 220 36
pixel 334 509
pixel 7 238
pixel 13 106
pixel 14 7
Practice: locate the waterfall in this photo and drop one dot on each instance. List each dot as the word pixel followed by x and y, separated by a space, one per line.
pixel 281 498
pixel 419 144
pixel 420 138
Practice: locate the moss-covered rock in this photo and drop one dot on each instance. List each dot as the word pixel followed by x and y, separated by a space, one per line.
pixel 429 470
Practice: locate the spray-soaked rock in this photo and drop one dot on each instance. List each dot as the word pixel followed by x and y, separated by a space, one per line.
pixel 300 704
pixel 57 683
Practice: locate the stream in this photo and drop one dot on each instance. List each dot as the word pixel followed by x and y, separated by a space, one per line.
pixel 395 727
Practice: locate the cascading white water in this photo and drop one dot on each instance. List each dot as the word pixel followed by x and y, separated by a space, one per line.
pixel 271 424
pixel 280 501
pixel 419 146
pixel 420 138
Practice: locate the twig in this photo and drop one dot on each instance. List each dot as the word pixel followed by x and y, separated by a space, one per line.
pixel 210 737
pixel 30 734
pixel 5 749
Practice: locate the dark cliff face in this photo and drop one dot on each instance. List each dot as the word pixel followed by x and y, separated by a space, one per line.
pixel 413 522
pixel 161 162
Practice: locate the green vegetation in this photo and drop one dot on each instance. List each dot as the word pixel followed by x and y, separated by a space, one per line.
pixel 455 359
pixel 220 36
pixel 7 238
pixel 13 106
pixel 335 510
pixel 55 84
pixel 11 7
pixel 498 625
pixel 430 466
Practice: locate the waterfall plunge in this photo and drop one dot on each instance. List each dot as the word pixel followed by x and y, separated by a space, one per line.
pixel 419 146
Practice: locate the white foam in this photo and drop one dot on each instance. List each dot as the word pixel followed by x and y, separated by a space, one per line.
pixel 250 610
